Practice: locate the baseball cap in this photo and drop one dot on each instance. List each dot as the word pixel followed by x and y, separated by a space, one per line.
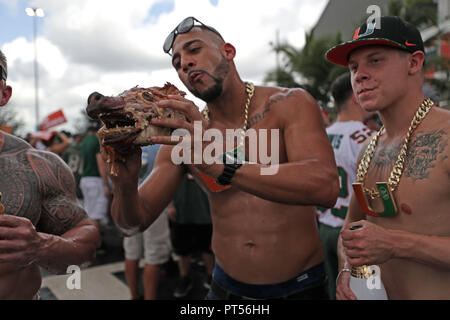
pixel 392 31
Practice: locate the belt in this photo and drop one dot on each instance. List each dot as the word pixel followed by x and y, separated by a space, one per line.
pixel 224 294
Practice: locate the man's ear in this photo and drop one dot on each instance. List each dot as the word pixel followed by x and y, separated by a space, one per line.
pixel 229 51
pixel 416 61
pixel 7 92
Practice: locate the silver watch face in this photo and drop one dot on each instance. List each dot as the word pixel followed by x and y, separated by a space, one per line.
pixel 229 158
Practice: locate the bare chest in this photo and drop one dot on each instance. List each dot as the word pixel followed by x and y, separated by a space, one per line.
pixel 422 193
pixel 262 143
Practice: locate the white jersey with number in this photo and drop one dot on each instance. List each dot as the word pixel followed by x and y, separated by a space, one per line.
pixel 346 139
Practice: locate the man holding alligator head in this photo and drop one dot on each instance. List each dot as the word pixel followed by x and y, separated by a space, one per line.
pixel 265 235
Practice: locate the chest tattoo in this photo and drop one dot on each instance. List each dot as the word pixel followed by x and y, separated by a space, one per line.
pixel 425 152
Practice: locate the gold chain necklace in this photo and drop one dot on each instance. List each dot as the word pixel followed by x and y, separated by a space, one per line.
pixel 250 89
pixel 399 166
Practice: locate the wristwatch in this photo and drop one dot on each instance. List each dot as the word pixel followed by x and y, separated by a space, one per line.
pixel 231 163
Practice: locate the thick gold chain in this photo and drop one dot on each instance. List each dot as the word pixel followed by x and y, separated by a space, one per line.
pixel 399 166
pixel 250 89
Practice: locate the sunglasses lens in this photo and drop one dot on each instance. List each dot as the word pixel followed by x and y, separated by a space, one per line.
pixel 169 41
pixel 185 25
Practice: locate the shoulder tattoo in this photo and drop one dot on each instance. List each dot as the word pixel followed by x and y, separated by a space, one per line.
pixel 19 182
pixel 425 152
pixel 261 115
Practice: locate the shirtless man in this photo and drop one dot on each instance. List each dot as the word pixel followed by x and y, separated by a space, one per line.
pixel 265 233
pixel 411 244
pixel 41 221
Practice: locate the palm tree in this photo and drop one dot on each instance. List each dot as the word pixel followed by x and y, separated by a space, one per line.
pixel 307 67
pixel 421 13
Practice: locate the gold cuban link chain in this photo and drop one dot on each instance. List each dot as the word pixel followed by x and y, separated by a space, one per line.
pixel 250 89
pixel 399 166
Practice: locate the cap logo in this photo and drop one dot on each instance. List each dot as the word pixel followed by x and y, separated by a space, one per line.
pixel 370 29
pixel 410 44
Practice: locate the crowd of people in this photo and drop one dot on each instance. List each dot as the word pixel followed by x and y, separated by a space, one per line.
pixel 296 234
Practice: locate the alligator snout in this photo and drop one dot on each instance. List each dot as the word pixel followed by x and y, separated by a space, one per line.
pixel 98 103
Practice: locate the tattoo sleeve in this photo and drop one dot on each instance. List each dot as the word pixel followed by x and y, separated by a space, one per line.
pixel 60 210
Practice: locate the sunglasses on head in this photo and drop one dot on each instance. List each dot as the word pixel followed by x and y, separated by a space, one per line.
pixel 3 74
pixel 185 26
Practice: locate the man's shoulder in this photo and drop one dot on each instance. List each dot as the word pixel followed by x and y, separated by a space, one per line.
pixel 10 143
pixel 443 117
pixel 438 120
pixel 288 102
pixel 44 157
pixel 275 94
pixel 24 152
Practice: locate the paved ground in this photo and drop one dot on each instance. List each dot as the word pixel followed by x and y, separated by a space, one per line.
pixel 104 279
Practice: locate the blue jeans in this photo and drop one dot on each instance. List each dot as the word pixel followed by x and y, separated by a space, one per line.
pixel 310 284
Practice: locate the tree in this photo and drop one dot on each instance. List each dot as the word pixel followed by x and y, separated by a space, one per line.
pixel 307 67
pixel 9 117
pixel 423 14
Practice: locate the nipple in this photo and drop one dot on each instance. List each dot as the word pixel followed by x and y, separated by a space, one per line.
pixel 406 209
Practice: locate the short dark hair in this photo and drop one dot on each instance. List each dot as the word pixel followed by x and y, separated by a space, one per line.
pixel 341 90
pixel 3 59
pixel 210 29
pixel 4 68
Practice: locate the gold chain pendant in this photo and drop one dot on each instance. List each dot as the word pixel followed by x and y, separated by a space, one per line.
pixel 213 186
pixel 385 190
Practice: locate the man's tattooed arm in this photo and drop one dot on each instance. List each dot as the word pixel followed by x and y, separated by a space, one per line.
pixel 60 210
pixel 69 237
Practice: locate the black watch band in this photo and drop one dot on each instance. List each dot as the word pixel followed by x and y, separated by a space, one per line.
pixel 231 163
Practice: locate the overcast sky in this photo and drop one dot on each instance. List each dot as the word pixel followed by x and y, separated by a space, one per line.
pixel 112 45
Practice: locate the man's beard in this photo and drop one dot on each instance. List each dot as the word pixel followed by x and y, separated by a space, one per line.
pixel 216 89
